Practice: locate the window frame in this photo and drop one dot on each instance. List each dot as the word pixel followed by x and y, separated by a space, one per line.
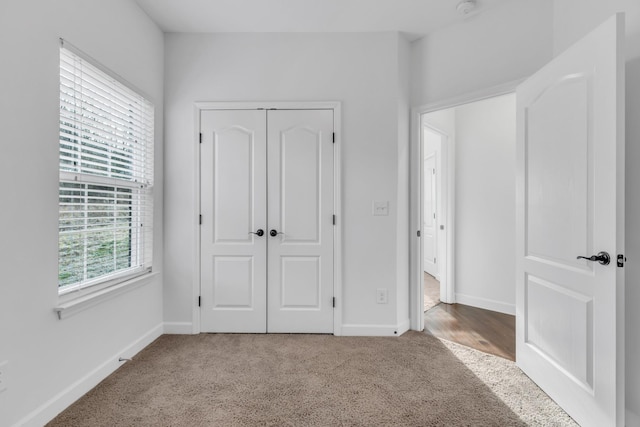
pixel 140 184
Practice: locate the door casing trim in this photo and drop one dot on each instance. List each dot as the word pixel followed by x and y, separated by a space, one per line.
pixel 336 106
pixel 416 286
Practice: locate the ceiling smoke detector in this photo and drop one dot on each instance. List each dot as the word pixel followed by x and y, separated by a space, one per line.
pixel 466 7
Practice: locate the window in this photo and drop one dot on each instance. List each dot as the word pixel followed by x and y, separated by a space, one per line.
pixel 106 176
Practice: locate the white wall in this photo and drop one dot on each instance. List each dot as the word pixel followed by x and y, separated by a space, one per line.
pixel 485 204
pixel 53 361
pixel 505 43
pixel 569 26
pixel 404 150
pixel 360 70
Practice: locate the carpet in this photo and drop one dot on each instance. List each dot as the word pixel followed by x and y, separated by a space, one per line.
pixel 313 380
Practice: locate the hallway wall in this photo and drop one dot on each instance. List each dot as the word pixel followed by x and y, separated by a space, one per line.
pixel 485 241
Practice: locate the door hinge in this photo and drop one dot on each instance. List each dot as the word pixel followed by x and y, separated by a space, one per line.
pixel 621 260
pixel 434 260
pixel 434 171
pixel 334 302
pixel 200 137
pixel 418 233
pixel 334 220
pixel 334 137
pixel 434 216
pixel 200 220
pixel 199 301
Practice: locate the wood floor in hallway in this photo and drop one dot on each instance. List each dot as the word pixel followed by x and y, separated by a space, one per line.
pixel 484 330
pixel 431 291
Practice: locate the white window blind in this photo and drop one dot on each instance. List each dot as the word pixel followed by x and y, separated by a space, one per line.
pixel 106 176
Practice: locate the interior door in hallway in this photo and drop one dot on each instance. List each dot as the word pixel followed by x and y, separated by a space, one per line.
pixel 267 221
pixel 429 226
pixel 301 208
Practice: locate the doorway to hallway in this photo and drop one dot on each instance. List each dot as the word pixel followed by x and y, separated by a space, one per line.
pixel 431 291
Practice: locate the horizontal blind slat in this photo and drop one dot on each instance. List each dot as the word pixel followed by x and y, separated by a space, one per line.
pixel 112 126
pixel 82 77
pixel 106 176
pixel 79 104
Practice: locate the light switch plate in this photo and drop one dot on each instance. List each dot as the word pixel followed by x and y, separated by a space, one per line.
pixel 380 208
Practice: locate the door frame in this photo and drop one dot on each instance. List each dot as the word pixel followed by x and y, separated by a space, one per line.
pixel 438 163
pixel 336 106
pixel 416 287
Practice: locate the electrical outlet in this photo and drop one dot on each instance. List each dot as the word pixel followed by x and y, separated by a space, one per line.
pixel 381 296
pixel 3 376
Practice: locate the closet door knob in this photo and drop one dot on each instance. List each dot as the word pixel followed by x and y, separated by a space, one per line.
pixel 274 233
pixel 260 232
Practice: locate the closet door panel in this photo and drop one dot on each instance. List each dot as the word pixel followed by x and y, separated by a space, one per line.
pixel 300 188
pixel 233 207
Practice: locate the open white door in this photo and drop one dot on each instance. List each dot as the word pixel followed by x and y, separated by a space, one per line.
pixel 570 203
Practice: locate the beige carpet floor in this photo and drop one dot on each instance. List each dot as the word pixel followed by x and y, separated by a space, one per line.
pixel 313 380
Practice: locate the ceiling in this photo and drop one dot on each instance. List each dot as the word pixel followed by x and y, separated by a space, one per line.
pixel 415 18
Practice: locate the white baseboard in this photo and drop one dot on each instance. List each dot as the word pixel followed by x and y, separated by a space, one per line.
pixel 404 326
pixel 179 328
pixel 370 331
pixel 66 397
pixel 631 419
pixel 487 304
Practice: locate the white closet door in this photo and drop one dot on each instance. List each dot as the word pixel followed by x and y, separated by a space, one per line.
pixel 233 206
pixel 300 186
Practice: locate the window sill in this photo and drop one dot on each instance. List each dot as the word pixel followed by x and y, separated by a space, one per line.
pixel 79 304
